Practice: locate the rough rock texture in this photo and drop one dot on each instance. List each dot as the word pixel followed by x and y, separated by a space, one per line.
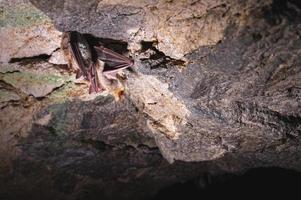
pixel 119 160
pixel 38 79
pixel 25 31
pixel 218 83
pixel 234 96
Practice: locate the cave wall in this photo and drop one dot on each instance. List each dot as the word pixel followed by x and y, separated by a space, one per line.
pixel 216 89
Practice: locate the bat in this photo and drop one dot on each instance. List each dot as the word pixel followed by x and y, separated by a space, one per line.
pixel 75 50
pixel 113 60
pixel 98 64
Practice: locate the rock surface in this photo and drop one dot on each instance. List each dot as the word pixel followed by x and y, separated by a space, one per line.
pixel 178 26
pixel 217 89
pixel 25 31
pixel 38 81
pixel 231 95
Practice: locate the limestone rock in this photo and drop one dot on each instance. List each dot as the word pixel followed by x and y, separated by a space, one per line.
pixel 230 93
pixel 57 58
pixel 25 31
pixel 178 27
pixel 216 89
pixel 37 81
pixel 6 95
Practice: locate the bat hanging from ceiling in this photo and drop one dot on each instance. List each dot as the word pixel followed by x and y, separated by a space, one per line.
pixel 96 63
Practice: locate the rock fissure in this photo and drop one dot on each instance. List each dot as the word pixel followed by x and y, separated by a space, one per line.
pixel 43 57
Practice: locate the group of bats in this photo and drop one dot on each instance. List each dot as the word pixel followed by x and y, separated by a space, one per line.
pixel 98 65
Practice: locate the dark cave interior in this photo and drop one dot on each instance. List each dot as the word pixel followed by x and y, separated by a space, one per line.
pixel 256 183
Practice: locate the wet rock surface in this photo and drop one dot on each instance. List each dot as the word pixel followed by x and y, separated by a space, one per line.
pixel 217 90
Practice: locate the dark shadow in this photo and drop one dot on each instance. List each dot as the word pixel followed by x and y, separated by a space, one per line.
pixel 272 182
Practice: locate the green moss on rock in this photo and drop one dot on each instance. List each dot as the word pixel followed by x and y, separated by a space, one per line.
pixel 34 83
pixel 22 15
pixel 63 94
pixel 32 78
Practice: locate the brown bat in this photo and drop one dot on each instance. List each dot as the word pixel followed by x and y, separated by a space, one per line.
pixel 98 65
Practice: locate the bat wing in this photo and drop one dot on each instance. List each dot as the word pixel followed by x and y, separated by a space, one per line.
pixel 92 77
pixel 113 60
pixel 77 54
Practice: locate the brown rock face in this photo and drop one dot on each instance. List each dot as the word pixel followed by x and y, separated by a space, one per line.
pixel 217 89
pixel 25 31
